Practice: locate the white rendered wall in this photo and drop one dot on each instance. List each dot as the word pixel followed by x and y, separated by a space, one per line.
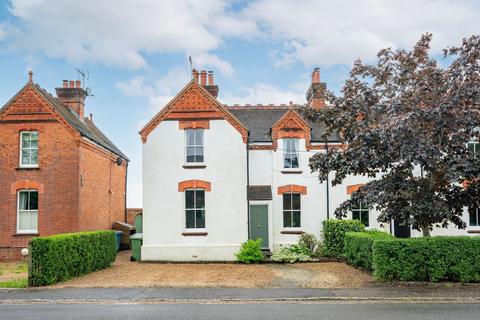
pixel 226 205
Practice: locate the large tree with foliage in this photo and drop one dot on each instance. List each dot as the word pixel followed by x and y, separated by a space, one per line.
pixel 406 121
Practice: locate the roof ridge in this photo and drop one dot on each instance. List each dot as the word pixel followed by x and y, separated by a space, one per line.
pixel 260 106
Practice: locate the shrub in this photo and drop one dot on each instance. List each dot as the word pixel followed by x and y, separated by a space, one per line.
pixel 358 247
pixel 309 241
pixel 293 253
pixel 428 259
pixel 64 256
pixel 334 235
pixel 251 251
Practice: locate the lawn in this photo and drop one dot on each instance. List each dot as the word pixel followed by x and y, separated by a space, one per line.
pixel 13 274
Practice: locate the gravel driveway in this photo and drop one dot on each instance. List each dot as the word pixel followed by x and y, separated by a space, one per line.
pixel 124 273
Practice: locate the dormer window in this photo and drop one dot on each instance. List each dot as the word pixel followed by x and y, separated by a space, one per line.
pixel 290 153
pixel 28 149
pixel 194 145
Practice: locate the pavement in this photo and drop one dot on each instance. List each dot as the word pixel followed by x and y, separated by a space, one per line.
pixel 405 293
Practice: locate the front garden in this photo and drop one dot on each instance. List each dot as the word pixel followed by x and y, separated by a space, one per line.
pixel 434 259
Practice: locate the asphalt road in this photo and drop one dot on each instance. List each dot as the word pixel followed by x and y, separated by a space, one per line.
pixel 337 311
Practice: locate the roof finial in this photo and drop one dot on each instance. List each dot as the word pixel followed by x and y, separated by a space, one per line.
pixel 30 76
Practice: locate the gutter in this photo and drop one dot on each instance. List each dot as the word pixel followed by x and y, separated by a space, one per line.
pixel 126 176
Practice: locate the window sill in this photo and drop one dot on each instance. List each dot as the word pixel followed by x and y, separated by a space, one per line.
pixel 27 168
pixel 291 171
pixel 194 166
pixel 292 232
pixel 28 234
pixel 194 234
pixel 473 231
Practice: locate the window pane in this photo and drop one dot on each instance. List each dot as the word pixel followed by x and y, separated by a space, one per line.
pixel 287 163
pixel 34 156
pixel 365 218
pixel 287 201
pixel 288 146
pixel 23 200
pixel 24 220
pixel 296 219
pixel 296 201
pixel 34 220
pixel 25 156
pixel 190 219
pixel 295 145
pixel 33 200
pixel 199 154
pixel 355 214
pixel 25 139
pixel 189 199
pixel 200 199
pixel 199 137
pixel 200 218
pixel 473 213
pixel 199 158
pixel 190 154
pixel 287 219
pixel 190 137
pixel 294 161
pixel 34 139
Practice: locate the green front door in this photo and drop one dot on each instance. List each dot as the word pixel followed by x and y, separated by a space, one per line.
pixel 259 223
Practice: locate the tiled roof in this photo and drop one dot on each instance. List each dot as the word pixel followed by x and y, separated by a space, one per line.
pixel 259 193
pixel 259 120
pixel 86 127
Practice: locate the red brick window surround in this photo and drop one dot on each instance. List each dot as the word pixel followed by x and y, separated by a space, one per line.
pixel 292 188
pixel 194 184
pixel 199 124
pixel 26 184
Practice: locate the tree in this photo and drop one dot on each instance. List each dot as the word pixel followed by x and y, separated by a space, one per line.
pixel 406 122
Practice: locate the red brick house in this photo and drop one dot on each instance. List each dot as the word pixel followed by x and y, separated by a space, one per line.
pixel 59 173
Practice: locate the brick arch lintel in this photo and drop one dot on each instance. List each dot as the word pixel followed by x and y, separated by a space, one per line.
pixel 26 184
pixel 194 184
pixel 292 188
pixel 354 188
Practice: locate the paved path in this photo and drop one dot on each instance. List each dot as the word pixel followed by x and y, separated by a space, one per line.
pixel 245 311
pixel 165 295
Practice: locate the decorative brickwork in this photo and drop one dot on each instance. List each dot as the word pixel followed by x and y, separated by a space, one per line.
pixel 291 125
pixel 354 188
pixel 292 188
pixel 202 124
pixel 194 184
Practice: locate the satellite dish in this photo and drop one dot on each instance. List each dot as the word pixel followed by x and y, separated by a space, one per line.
pixel 119 161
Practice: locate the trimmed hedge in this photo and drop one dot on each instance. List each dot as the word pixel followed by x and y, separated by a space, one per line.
pixel 64 256
pixel 334 235
pixel 428 259
pixel 358 247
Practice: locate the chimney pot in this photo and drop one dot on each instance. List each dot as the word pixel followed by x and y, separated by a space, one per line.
pixel 316 75
pixel 203 78
pixel 78 84
pixel 65 83
pixel 210 78
pixel 91 117
pixel 71 84
pixel 195 75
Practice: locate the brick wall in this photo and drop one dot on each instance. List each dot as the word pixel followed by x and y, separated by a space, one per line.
pixel 102 190
pixel 132 213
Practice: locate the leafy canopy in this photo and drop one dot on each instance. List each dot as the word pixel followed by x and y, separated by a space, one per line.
pixel 407 121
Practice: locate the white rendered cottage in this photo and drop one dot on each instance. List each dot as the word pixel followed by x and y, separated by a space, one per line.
pixel 216 175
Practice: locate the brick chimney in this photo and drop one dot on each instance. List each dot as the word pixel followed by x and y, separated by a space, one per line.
pixel 73 95
pixel 206 80
pixel 316 92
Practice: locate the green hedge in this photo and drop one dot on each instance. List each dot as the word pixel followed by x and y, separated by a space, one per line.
pixel 428 259
pixel 358 247
pixel 334 235
pixel 64 256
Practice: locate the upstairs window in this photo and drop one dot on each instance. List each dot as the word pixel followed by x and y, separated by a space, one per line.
pixel 474 148
pixel 194 145
pixel 474 214
pixel 29 149
pixel 291 210
pixel 290 153
pixel 27 215
pixel 195 208
pixel 360 212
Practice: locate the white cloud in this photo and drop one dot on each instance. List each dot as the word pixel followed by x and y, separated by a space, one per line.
pixel 317 32
pixel 205 60
pixel 122 32
pixel 3 33
pixel 263 93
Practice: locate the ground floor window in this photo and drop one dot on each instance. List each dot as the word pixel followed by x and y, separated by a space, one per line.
pixel 195 208
pixel 474 214
pixel 291 210
pixel 360 212
pixel 27 218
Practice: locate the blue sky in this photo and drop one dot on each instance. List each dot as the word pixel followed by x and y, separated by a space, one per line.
pixel 262 51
